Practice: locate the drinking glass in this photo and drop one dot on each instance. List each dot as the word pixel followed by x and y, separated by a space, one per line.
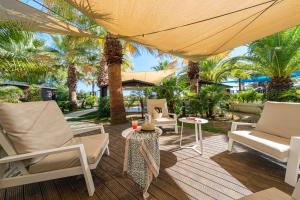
pixel 134 124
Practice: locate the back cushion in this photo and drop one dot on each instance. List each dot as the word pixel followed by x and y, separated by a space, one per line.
pixel 160 103
pixel 281 119
pixel 34 126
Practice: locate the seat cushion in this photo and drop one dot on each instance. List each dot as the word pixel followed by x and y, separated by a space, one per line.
pixel 165 120
pixel 281 119
pixel 94 146
pixel 268 194
pixel 267 143
pixel 34 126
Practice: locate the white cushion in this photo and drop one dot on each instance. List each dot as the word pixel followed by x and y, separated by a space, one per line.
pixel 94 146
pixel 34 126
pixel 270 144
pixel 281 119
pixel 164 120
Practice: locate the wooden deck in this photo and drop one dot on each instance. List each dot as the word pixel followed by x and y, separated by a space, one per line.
pixel 183 175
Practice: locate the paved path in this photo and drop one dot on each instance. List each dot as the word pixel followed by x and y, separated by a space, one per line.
pixel 79 113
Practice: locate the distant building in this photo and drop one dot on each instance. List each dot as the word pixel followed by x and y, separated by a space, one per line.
pixel 47 93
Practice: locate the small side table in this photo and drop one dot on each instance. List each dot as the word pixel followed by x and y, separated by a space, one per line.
pixel 198 132
pixel 142 156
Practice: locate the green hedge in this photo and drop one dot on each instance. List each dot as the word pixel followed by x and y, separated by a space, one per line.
pixel 104 108
pixel 11 94
pixel 247 96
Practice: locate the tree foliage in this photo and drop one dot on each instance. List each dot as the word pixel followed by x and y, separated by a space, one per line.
pixel 23 57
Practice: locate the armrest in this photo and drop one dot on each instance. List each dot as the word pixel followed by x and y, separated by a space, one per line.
pixel 19 157
pixel 174 115
pixel 234 125
pixel 82 128
pixel 295 141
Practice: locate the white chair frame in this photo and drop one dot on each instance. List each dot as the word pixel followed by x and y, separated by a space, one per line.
pixel 293 160
pixel 148 117
pixel 27 178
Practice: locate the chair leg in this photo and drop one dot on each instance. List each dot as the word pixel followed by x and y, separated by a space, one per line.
pixel 107 151
pixel 86 172
pixel 230 144
pixel 292 168
pixel 176 128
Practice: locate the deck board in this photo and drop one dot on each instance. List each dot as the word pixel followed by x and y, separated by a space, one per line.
pixel 215 175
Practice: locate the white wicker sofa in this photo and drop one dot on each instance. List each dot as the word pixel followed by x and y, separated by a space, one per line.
pixel 277 134
pixel 40 144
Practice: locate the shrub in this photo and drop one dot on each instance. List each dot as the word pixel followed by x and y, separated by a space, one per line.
pixel 291 95
pixel 104 108
pixel 34 94
pixel 90 100
pixel 11 94
pixel 62 93
pixel 248 96
pixel 64 105
pixel 82 95
pixel 172 90
pixel 209 99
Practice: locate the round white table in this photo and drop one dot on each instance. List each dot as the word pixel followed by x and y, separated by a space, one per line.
pixel 198 132
pixel 127 131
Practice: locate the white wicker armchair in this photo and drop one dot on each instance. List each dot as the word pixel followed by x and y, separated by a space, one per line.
pixel 167 119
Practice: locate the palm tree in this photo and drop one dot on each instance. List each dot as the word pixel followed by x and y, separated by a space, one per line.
pixel 114 57
pixel 240 74
pixel 129 48
pixel 276 56
pixel 165 65
pixel 193 71
pixel 22 55
pixel 215 68
pixel 69 51
pixel 102 79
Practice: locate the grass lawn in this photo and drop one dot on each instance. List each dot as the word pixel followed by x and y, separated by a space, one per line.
pixel 93 116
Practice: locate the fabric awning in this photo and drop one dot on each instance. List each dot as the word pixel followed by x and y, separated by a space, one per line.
pixel 192 28
pixel 152 77
pixel 136 85
pixel 34 20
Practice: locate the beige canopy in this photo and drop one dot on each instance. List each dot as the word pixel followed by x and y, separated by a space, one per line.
pixel 32 19
pixel 192 28
pixel 154 77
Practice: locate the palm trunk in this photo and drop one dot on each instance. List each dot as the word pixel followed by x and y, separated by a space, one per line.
pixel 102 80
pixel 114 56
pixel 276 86
pixel 280 84
pixel 93 88
pixel 72 85
pixel 193 74
pixel 103 91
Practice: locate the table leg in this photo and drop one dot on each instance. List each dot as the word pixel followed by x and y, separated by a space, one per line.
pixel 181 134
pixel 200 137
pixel 197 133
